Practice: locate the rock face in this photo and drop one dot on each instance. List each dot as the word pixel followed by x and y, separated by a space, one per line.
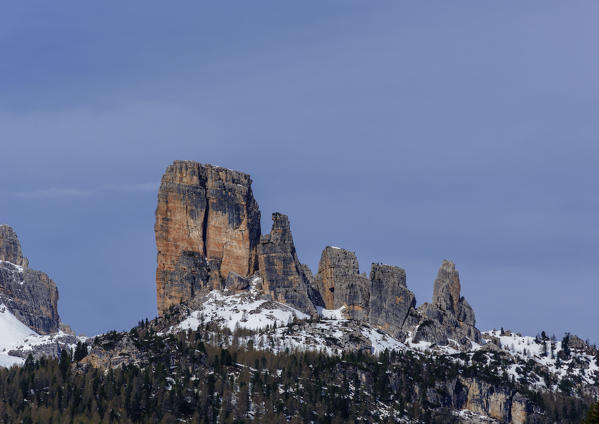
pixel 340 284
pixel 207 225
pixel 392 305
pixel 284 278
pixel 10 248
pixel 30 295
pixel 208 237
pixel 449 316
pixel 500 403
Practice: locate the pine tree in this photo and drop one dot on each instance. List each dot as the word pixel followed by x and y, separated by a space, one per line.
pixel 593 415
pixel 80 351
pixel 565 347
pixel 65 362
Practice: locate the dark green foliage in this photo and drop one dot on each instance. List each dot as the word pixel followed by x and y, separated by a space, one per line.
pixel 565 348
pixel 80 352
pixel 593 415
pixel 188 378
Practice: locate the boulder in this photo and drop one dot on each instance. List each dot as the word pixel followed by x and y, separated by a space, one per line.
pixel 236 282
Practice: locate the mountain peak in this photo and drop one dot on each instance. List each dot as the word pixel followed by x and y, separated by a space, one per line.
pixel 10 247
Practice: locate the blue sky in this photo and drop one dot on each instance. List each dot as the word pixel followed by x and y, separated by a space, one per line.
pixel 406 131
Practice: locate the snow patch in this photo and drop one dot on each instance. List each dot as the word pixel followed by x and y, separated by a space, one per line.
pixel 331 313
pixel 18 267
pixel 244 310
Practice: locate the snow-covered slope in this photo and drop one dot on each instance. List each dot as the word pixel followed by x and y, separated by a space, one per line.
pixel 278 327
pixel 18 339
pixel 246 310
pixel 12 334
pixel 255 321
pixel 578 366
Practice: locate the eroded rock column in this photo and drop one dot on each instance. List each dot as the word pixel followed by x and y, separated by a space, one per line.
pixel 340 283
pixel 207 225
pixel 284 278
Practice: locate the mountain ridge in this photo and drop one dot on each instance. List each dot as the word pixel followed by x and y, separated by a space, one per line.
pixel 207 215
pixel 227 293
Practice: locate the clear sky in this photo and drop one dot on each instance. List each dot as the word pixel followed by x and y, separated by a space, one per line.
pixel 407 131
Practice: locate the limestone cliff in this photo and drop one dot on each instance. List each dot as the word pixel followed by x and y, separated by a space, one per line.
pixel 207 225
pixel 340 283
pixel 208 237
pixel 30 295
pixel 449 316
pixel 284 278
pixel 392 304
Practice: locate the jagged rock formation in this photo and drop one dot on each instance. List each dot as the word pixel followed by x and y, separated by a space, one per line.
pixel 208 237
pixel 449 316
pixel 30 295
pixel 392 304
pixel 340 283
pixel 207 225
pixel 10 247
pixel 284 278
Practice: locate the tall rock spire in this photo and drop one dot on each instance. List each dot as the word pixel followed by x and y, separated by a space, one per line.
pixel 10 248
pixel 340 283
pixel 207 225
pixel 284 278
pixel 392 304
pixel 446 291
pixel 448 316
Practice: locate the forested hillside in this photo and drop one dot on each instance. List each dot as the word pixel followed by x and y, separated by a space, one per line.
pixel 185 377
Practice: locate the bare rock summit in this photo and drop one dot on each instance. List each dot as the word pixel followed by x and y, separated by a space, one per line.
pixel 208 237
pixel 30 295
pixel 207 225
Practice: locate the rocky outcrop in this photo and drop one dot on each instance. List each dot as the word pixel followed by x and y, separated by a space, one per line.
pixel 48 346
pixel 114 350
pixel 449 316
pixel 284 278
pixel 208 237
pixel 236 282
pixel 10 248
pixel 391 302
pixel 340 283
pixel 501 403
pixel 30 295
pixel 207 225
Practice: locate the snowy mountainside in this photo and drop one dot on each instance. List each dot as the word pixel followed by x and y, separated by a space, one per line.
pixel 561 364
pixel 252 319
pixel 12 334
pixel 275 326
pixel 17 340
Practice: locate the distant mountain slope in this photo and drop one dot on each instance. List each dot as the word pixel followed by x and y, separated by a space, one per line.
pixel 30 295
pixel 29 320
